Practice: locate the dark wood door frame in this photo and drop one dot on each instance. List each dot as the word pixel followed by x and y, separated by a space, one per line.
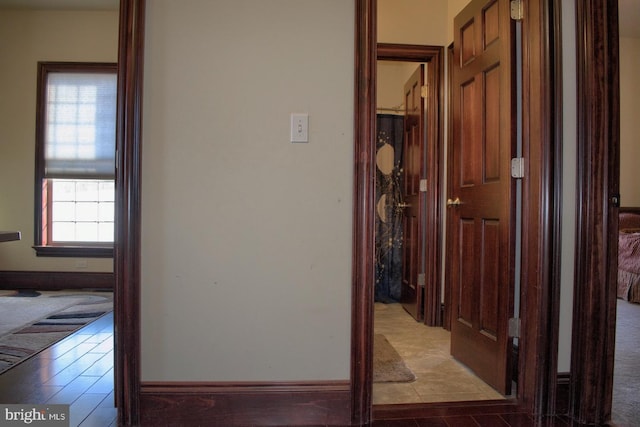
pixel 128 219
pixel 598 176
pixel 433 55
pixel 540 255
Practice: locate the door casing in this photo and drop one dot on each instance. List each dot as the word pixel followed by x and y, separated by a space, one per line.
pixel 433 56
pixel 598 177
pixel 128 218
pixel 541 193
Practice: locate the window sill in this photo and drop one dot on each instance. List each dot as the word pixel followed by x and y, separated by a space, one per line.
pixel 75 251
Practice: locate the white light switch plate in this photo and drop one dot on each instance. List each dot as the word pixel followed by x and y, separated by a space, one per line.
pixel 299 127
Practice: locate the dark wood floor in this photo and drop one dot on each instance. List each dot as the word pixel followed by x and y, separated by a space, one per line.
pixel 77 371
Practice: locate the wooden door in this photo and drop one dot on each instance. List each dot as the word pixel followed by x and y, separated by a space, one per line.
pixel 480 205
pixel 413 165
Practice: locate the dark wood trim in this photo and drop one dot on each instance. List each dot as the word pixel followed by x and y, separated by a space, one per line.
pixel 407 52
pixel 74 251
pixel 433 55
pixel 447 409
pixel 541 187
pixel 594 306
pixel 629 209
pixel 128 220
pixel 55 280
pixel 446 320
pixel 363 255
pixel 242 404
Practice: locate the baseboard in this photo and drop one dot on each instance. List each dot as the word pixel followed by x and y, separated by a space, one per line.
pixel 446 409
pixel 326 403
pixel 55 280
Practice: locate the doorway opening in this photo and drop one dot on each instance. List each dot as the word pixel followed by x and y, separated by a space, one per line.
pixel 412 359
pixel 482 234
pixel 536 391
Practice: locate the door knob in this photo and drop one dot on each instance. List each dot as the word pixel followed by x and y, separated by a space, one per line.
pixel 455 202
pixel 404 205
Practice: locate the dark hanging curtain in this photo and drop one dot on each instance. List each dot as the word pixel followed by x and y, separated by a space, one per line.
pixel 389 146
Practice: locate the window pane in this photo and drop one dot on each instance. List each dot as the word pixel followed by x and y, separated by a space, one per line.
pixel 107 191
pixel 106 212
pixel 105 232
pixel 63 232
pixel 63 211
pixel 63 190
pixel 78 212
pixel 87 191
pixel 87 231
pixel 87 211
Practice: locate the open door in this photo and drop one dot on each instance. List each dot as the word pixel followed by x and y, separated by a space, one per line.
pixel 413 165
pixel 481 194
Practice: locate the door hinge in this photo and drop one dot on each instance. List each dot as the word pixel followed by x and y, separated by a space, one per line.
pixel 421 280
pixel 517 167
pixel 423 185
pixel 517 10
pixel 424 91
pixel 514 327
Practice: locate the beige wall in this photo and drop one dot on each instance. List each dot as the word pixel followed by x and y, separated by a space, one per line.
pixel 246 237
pixel 629 122
pixel 413 22
pixel 453 8
pixel 27 37
pixel 390 79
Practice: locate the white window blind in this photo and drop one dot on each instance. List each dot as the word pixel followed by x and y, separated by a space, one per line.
pixel 80 125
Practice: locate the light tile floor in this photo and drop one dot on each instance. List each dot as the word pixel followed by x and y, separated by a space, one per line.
pixel 425 350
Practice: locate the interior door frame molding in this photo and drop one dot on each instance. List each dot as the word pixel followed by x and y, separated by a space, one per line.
pixel 539 289
pixel 598 176
pixel 128 219
pixel 433 55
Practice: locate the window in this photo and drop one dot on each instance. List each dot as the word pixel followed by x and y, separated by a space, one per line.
pixel 75 159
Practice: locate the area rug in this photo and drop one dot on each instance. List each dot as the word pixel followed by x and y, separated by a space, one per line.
pixel 31 321
pixel 388 366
